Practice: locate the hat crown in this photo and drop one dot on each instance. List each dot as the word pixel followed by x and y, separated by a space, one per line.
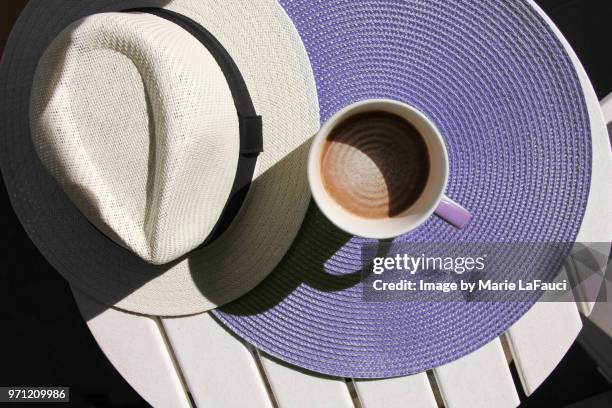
pixel 135 120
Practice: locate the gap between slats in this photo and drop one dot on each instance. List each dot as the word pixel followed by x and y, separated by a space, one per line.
pixel 262 373
pixel 175 363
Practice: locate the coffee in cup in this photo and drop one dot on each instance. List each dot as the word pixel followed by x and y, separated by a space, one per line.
pixel 379 169
pixel 375 164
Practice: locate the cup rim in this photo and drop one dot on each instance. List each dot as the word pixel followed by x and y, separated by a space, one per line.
pixel 361 226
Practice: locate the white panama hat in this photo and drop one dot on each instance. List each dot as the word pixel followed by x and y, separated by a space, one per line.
pixel 149 126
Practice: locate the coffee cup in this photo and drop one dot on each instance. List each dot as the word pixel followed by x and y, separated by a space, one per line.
pixel 379 169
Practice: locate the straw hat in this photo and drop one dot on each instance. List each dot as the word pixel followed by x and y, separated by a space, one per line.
pixel 165 169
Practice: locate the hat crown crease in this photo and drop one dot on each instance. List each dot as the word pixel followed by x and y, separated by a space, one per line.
pixel 192 131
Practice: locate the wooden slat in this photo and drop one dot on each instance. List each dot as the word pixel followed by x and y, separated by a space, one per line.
pixel 542 338
pixel 602 314
pixel 606 108
pixel 586 266
pixel 596 229
pixel 481 379
pixel 294 388
pixel 413 391
pixel 135 346
pixel 219 369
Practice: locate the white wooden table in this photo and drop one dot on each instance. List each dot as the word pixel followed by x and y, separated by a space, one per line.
pixel 180 362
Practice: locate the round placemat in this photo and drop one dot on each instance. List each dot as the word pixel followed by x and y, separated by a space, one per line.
pixel 504 93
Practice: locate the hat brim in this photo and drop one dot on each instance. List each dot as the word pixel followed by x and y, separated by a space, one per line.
pixel 266 47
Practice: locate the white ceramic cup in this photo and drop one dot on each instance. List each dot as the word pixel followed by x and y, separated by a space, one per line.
pixel 432 200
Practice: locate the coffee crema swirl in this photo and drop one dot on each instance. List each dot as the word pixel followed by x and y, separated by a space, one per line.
pixel 375 164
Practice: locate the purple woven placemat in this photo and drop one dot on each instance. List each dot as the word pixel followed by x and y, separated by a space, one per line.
pixel 506 98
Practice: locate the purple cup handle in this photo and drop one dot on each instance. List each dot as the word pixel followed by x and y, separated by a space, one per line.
pixel 453 213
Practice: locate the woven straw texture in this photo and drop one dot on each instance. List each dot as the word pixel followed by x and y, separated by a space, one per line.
pixel 266 47
pixel 109 123
pixel 504 94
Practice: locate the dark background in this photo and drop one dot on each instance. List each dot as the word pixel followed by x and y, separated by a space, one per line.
pixel 45 342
